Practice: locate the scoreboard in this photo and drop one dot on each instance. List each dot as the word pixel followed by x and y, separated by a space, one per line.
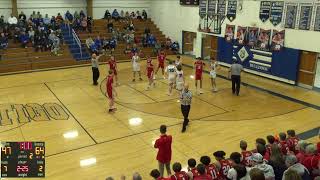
pixel 189 2
pixel 22 159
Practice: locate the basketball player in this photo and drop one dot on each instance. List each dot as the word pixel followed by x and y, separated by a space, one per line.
pixel 178 61
pixel 136 66
pixel 198 66
pixel 213 74
pixel 161 59
pixel 192 170
pixel 179 78
pixel 246 155
pixel 111 93
pixel 212 170
pixel 171 70
pixel 113 66
pixel 178 173
pixel 222 164
pixel 150 73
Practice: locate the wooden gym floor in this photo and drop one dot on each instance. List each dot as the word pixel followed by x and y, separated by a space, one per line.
pixel 122 143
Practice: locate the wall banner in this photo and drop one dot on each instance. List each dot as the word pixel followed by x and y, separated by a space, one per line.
pixel 222 7
pixel 305 16
pixel 265 7
pixel 212 6
pixel 276 12
pixel 291 15
pixel 232 10
pixel 317 20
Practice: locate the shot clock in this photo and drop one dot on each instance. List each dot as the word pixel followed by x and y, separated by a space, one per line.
pixel 23 159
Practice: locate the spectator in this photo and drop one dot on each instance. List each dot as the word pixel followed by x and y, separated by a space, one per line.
pixel 127 16
pixel 59 19
pixel 127 50
pixel 192 170
pixel 292 141
pixel 164 153
pixel 22 16
pixel 76 15
pixel 113 44
pixel 77 24
pixel 38 15
pixel 69 16
pixel 110 26
pixel 147 31
pixel 12 21
pixel 246 155
pixel 271 140
pixel 203 175
pixel 89 41
pixel 151 40
pixel 105 44
pixel 156 49
pixel 291 175
pixel 132 15
pixel 107 15
pixel 134 49
pixel 257 162
pixel 178 174
pixel 84 24
pixel 98 43
pixel 122 15
pixel 155 174
pixel 115 15
pixel 312 160
pixel 3 41
pixel 115 34
pixel 55 41
pixel 131 26
pixel 89 23
pixel 24 39
pixel 175 47
pixel 168 43
pixel 222 164
pixel 16 35
pixel 139 16
pixel 256 174
pixel 2 22
pixel 232 174
pixel 277 162
pixel 283 143
pixel 293 164
pixel 82 14
pixel 212 170
pixel 301 150
pixel 144 15
pixel 46 20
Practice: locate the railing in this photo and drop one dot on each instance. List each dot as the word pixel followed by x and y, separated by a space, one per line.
pixel 76 38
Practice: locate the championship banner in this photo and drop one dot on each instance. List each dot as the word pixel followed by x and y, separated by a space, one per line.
pixel 212 5
pixel 305 16
pixel 277 40
pixel 229 34
pixel 222 8
pixel 265 7
pixel 232 10
pixel 252 36
pixel 317 20
pixel 276 12
pixel 291 16
pixel 241 35
pixel 264 40
pixel 203 14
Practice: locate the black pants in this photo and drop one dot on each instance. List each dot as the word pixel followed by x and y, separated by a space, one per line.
pixel 185 109
pixel 236 80
pixel 95 75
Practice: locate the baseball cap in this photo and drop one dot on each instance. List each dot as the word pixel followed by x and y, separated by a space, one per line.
pixel 257 157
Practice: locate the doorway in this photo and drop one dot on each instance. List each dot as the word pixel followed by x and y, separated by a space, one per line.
pixel 188 42
pixel 317 78
pixel 209 46
pixel 307 69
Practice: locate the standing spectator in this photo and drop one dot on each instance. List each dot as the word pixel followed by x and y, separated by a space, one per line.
pixel 110 26
pixel 115 15
pixel 291 175
pixel 144 15
pixel 107 15
pixel 164 152
pixel 293 164
pixel 24 39
pixel 257 162
pixel 277 162
pixel 235 74
pixel 185 99
pixel 95 68
pixel 12 21
pixel 22 16
pixel 3 41
pixel 256 174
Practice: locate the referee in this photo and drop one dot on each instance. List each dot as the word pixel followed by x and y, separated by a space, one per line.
pixel 235 72
pixel 185 99
pixel 95 68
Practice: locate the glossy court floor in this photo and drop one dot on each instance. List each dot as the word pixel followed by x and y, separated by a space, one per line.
pixel 122 143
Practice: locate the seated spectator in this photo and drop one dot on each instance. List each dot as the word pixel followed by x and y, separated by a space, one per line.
pixel 12 21
pixel 277 161
pixel 133 15
pixel 115 34
pixel 21 24
pixel 127 50
pixel 147 31
pixel 178 173
pixel 144 15
pixel 127 16
pixel 291 175
pixel 292 163
pixel 76 15
pixel 175 47
pixel 2 23
pixel 22 16
pixel 105 44
pixel 89 41
pixel 257 174
pixel 89 23
pixel 46 20
pixel 261 149
pixel 168 43
pixel 203 175
pixel 151 40
pixel 128 38
pixel 84 23
pixel 3 41
pixel 271 141
pixel 139 16
pixel 82 14
pixel 16 35
pixel 38 14
pixel 53 20
pixel 134 49
pixel 115 15
pixel 59 19
pixel 110 26
pixel 131 26
pixel 24 39
pixel 98 43
pixel 107 15
pixel 246 155
pixel 221 163
pixel 113 44
pixel 69 16
pixel 257 162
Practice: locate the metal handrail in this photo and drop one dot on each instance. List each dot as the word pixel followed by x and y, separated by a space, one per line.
pixel 76 38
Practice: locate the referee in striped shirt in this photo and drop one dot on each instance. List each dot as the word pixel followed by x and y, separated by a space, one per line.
pixel 185 99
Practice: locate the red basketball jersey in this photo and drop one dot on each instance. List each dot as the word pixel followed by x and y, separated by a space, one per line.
pixel 213 172
pixel 112 64
pixel 180 176
pixel 194 172
pixel 150 70
pixel 161 58
pixel 246 156
pixel 199 66
pixel 225 166
pixel 109 83
pixel 292 143
pixel 284 147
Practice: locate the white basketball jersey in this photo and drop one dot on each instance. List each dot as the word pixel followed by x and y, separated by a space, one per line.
pixel 171 70
pixel 179 76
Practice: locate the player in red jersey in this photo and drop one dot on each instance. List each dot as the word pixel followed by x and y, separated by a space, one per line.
pixel 192 170
pixel 198 66
pixel 202 173
pixel 292 141
pixel 150 73
pixel 223 164
pixel 161 59
pixel 113 66
pixel 111 93
pixel 271 141
pixel 178 174
pixel 212 170
pixel 155 174
pixel 283 143
pixel 246 155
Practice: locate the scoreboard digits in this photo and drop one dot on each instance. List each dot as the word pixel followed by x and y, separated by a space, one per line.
pixel 23 159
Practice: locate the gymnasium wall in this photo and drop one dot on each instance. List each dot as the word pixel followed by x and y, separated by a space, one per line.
pixel 51 7
pixel 100 6
pixel 5 8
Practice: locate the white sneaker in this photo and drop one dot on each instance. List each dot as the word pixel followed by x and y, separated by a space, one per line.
pixel 154 77
pixel 164 77
pixel 200 91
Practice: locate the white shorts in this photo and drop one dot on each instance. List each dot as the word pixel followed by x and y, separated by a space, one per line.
pixel 136 67
pixel 171 80
pixel 179 85
pixel 213 74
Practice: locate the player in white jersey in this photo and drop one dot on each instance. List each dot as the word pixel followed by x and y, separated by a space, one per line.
pixel 178 61
pixel 179 78
pixel 213 74
pixel 136 66
pixel 171 71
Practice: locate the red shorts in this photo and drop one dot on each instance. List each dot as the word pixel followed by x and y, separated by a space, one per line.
pixel 110 94
pixel 198 76
pixel 161 65
pixel 149 74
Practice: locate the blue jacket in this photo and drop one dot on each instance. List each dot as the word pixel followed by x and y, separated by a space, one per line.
pixel 24 38
pixel 115 13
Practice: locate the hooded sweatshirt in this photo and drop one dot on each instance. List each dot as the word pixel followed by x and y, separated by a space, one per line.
pixel 299 168
pixel 267 170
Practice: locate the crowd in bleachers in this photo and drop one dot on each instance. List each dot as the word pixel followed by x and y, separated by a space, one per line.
pixel 280 157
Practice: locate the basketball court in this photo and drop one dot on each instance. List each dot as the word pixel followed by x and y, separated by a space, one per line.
pixel 65 111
